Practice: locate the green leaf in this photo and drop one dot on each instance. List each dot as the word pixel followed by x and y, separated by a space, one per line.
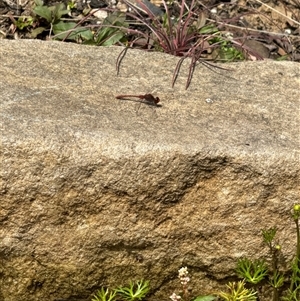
pixel 84 33
pixel 102 295
pixel 62 30
pixel 39 2
pixel 117 19
pixel 23 22
pixel 208 29
pixel 35 32
pixel 109 36
pixel 58 11
pixel 205 298
pixel 103 33
pixel 44 12
pixel 113 39
pixel 135 291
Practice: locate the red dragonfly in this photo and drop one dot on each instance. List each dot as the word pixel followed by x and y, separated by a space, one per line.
pixel 148 99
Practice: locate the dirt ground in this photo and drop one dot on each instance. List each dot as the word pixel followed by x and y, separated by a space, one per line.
pixel 271 28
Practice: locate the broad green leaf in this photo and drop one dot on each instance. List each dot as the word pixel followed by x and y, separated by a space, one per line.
pixel 44 12
pixel 62 29
pixel 103 33
pixel 111 31
pixel 23 22
pixel 39 2
pixel 113 39
pixel 35 32
pixel 208 29
pixel 58 11
pixel 117 19
pixel 108 36
pixel 85 34
pixel 89 42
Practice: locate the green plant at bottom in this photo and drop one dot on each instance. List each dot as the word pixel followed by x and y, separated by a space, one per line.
pixel 23 22
pixel 255 271
pixel 135 291
pixel 252 271
pixel 184 278
pixel 238 292
pixel 104 295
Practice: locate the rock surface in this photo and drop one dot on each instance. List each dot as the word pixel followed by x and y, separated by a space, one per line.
pixel 97 191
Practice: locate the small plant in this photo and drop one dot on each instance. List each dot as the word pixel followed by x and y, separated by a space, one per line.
pixel 71 4
pixel 184 278
pixel 112 30
pixel 181 36
pixel 136 291
pixel 254 272
pixel 238 292
pixel 226 52
pixel 51 17
pixel 24 22
pixel 104 295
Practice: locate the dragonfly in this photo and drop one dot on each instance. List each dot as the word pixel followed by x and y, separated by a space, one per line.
pixel 148 99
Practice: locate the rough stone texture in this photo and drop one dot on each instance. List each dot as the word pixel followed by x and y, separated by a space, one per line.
pixel 97 191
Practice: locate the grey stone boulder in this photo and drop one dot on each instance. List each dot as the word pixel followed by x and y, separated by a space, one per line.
pixel 97 191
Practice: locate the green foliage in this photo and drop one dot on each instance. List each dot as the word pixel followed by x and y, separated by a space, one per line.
pixel 71 4
pixel 294 290
pixel 62 30
pixel 184 279
pixel 228 53
pixel 225 50
pixel 277 280
pixel 135 291
pixel 23 22
pixel 238 292
pixel 104 295
pixel 292 294
pixel 70 31
pixel 252 271
pixel 112 30
pixel 269 235
pixel 186 36
pixel 51 14
pixel 208 29
pixel 256 271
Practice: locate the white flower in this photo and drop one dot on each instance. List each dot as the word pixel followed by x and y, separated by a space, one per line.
pixel 184 280
pixel 183 276
pixel 183 272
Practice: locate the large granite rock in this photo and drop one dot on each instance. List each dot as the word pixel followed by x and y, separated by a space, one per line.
pixel 97 191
